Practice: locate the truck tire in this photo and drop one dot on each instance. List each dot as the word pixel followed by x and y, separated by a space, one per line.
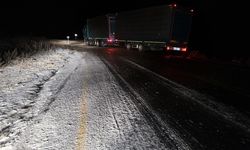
pixel 98 44
pixel 88 43
pixel 128 46
pixel 141 48
pixel 102 44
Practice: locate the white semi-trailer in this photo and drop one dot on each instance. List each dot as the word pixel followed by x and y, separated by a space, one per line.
pixel 161 27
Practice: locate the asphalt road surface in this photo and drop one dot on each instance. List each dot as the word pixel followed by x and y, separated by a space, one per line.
pixel 119 99
pixel 203 113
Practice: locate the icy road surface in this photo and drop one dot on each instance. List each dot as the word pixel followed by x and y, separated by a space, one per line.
pixel 71 100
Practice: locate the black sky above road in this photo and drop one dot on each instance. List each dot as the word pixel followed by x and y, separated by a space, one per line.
pixel 214 21
pixel 57 18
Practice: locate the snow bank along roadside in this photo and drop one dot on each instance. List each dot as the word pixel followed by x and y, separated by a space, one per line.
pixel 25 91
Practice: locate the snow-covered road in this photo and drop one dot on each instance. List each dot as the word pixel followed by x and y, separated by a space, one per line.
pixel 73 100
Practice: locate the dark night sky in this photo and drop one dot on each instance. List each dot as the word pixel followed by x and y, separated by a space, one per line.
pixel 62 17
pixel 214 21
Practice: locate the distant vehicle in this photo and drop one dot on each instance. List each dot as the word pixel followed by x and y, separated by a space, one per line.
pixel 161 27
pixel 100 31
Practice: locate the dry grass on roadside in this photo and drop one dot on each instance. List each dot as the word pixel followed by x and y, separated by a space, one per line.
pixel 22 48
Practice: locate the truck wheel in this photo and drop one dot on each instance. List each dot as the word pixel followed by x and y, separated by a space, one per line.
pixel 141 48
pixel 102 44
pixel 98 44
pixel 128 46
pixel 88 43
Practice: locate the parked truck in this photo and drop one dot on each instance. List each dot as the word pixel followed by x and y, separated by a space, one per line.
pixel 100 31
pixel 161 27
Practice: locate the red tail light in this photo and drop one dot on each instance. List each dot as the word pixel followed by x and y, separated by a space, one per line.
pixel 173 5
pixel 110 40
pixel 184 49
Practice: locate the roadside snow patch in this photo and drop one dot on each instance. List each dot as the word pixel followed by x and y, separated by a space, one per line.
pixel 21 91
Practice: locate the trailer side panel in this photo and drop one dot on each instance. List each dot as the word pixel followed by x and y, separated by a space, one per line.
pixel 150 24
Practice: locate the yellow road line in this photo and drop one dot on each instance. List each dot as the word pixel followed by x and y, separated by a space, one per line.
pixel 82 131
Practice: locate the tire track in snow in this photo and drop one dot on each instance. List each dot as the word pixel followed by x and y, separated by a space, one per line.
pixel 114 121
pixel 170 136
pixel 206 101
